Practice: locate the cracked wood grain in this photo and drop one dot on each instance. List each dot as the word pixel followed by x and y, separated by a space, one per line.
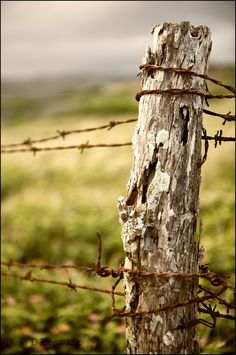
pixel 159 213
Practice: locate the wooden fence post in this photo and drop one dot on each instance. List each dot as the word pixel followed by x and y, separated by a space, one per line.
pixel 159 213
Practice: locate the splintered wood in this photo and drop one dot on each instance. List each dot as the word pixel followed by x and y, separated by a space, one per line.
pixel 159 214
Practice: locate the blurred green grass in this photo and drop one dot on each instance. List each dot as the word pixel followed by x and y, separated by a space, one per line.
pixel 54 203
pixel 95 100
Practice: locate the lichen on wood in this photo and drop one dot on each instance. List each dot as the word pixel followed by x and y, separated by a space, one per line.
pixel 159 213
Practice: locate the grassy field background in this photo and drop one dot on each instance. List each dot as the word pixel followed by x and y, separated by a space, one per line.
pixel 54 203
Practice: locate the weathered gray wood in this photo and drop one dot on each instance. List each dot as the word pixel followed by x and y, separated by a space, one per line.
pixel 159 213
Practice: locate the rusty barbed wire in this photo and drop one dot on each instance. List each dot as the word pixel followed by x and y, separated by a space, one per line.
pixel 227 117
pixel 176 91
pixel 73 286
pixel 80 147
pixel 193 300
pixel 45 266
pixel 103 271
pixel 187 71
pixel 63 133
pixel 227 304
pixel 217 138
pixel 214 314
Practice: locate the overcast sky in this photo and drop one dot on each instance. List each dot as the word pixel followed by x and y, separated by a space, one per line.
pixel 49 38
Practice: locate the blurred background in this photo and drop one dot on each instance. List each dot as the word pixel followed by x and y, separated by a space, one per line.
pixel 74 64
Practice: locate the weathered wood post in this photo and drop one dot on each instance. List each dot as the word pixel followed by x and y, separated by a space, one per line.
pixel 159 213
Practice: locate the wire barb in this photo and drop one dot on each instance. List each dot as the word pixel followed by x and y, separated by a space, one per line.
pixel 204 158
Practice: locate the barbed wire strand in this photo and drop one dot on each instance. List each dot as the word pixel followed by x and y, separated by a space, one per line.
pixel 45 265
pixel 73 286
pixel 64 133
pixel 216 278
pixel 227 304
pixel 187 71
pixel 216 314
pixel 80 147
pixel 226 117
pixel 177 91
pixel 170 306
